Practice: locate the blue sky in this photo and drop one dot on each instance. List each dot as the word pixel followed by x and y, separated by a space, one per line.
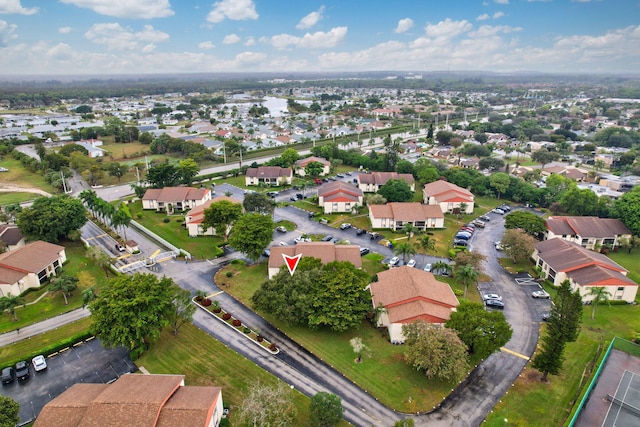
pixel 176 36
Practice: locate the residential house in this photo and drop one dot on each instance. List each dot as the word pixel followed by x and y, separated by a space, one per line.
pixel 587 231
pixel 406 295
pixel 194 218
pixel 135 400
pixel 326 251
pixel 302 164
pixel 268 175
pixel 448 196
pixel 29 266
pixel 371 182
pixel 560 260
pixel 568 171
pixel 339 196
pixel 396 215
pixel 171 199
pixel 11 236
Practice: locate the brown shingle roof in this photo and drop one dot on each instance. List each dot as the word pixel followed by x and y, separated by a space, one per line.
pixel 68 408
pixel 196 215
pixel 304 162
pixel 596 275
pixel 586 226
pixel 175 194
pixel 381 178
pixel 445 191
pixel 31 258
pixel 406 211
pixel 10 234
pixel 326 251
pixel 408 292
pixel 562 255
pixel 268 172
pixel 189 407
pixel 338 186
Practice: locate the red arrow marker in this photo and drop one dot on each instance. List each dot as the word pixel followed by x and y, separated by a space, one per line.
pixel 292 262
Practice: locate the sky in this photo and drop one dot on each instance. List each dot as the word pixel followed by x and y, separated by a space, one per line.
pixel 106 37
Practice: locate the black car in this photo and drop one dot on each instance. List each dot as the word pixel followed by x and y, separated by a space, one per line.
pixel 312 214
pixel 364 251
pixel 327 238
pixel 494 303
pixel 8 375
pixel 484 218
pixel 360 232
pixel 22 370
pixel 299 196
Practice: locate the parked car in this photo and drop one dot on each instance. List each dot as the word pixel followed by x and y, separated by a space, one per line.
pixel 22 370
pixel 119 247
pixel 283 244
pixel 281 229
pixel 364 251
pixel 479 223
pixel 484 218
pixel 374 235
pixel 505 208
pixel 545 317
pixel 463 236
pixel 8 375
pixel 39 363
pixel 327 238
pixel 339 175
pixel 300 196
pixel 272 194
pixel 360 231
pixel 301 239
pixel 266 253
pixel 540 294
pixel 499 246
pixel 491 296
pixel 293 199
pixel 311 214
pixel 345 225
pixel 460 243
pixel 494 303
pixel 393 261
pixel 411 263
pixel 427 267
pixel 498 211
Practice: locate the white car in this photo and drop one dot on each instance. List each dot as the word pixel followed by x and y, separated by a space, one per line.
pixel 39 363
pixel 540 294
pixel 498 211
pixel 393 261
pixel 411 263
pixel 491 296
pixel 283 244
pixel 427 267
pixel 301 239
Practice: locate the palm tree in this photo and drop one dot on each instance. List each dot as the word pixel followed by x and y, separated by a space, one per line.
pixel 88 295
pixel 10 302
pixel 404 249
pixel 440 266
pixel 427 243
pixel 466 275
pixel 410 229
pixel 600 294
pixel 64 284
pixel 100 258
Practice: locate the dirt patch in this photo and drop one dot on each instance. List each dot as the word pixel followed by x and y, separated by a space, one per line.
pixel 11 188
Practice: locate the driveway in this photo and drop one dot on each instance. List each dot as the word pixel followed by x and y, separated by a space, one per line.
pixel 85 363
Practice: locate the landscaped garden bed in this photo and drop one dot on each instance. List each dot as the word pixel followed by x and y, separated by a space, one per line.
pixel 213 308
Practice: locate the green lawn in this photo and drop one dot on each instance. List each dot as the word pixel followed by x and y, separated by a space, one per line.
pixel 12 198
pixel 20 176
pixel 206 362
pixel 628 261
pixel 174 232
pixel 77 265
pixel 21 349
pixel 533 403
pixel 384 375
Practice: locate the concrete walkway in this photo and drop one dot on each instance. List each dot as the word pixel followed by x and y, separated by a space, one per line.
pixel 44 326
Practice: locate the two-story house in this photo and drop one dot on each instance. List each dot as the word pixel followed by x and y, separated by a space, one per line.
pixel 587 231
pixel 269 175
pixel 371 182
pixel 450 197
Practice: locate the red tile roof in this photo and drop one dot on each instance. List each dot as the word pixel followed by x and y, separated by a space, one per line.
pixel 196 215
pixel 565 256
pixel 339 187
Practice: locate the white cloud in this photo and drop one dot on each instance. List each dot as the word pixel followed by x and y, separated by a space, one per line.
pixel 149 48
pixel 15 7
pixel 65 30
pixel 116 37
pixel 318 39
pixel 231 39
pixel 501 1
pixel 250 57
pixel 206 45
pixel 483 17
pixel 448 28
pixel 7 32
pixel 250 41
pixel 498 15
pixel 138 9
pixel 60 52
pixel 311 19
pixel 404 25
pixel 236 10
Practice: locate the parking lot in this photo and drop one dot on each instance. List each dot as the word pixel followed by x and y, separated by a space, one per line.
pixel 525 283
pixel 88 362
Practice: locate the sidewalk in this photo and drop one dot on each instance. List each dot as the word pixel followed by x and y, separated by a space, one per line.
pixel 44 326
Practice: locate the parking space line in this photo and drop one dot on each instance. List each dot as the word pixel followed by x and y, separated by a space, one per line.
pixel 216 294
pixel 506 350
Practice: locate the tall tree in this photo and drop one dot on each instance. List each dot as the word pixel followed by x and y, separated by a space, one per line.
pixel 9 303
pixel 9 412
pixel 221 216
pixel 484 332
pixel 466 275
pixel 258 202
pixel 289 157
pixel 599 294
pixel 187 169
pixel 544 157
pixel 550 357
pixel 132 309
pixel 405 250
pixel 518 245
pixel 52 218
pixel 182 311
pixel 500 182
pixel 627 210
pixel 163 175
pixel 314 169
pixel 326 409
pixel 436 351
pixel 267 405
pixel 252 233
pixel 396 190
pixel 527 221
pixel 65 285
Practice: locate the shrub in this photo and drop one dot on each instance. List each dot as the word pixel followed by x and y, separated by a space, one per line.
pixel 139 215
pixel 229 274
pixel 260 338
pixel 273 347
pixel 237 323
pixel 136 352
pixel 246 330
pixel 206 302
pixel 238 262
pixel 200 295
pixel 166 220
pixel 226 316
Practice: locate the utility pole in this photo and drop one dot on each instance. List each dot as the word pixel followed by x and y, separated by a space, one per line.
pixel 64 184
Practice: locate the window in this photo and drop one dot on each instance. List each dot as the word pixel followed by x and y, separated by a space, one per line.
pixel 621 288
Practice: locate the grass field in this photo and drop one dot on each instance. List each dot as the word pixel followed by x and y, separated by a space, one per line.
pixel 628 261
pixel 533 403
pixel 206 362
pixel 174 232
pixel 21 177
pixel 15 197
pixel 384 374
pixel 51 305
